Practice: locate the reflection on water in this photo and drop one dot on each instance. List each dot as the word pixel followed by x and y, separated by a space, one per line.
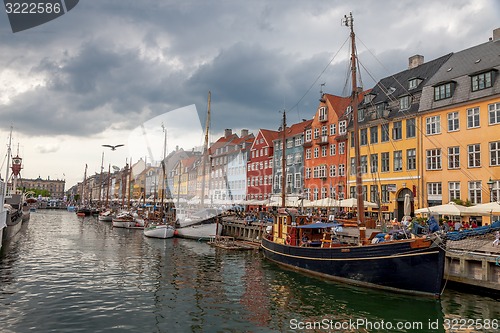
pixel 67 274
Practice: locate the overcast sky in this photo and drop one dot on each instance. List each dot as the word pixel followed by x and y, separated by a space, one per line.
pixel 93 75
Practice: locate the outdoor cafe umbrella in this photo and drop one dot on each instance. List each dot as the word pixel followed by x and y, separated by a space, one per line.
pixel 407 205
pixel 447 209
pixel 489 208
pixel 352 202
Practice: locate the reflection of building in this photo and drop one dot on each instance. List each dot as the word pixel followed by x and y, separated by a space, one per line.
pixel 55 187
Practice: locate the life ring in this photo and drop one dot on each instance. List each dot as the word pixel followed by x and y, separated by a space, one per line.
pixel 288 240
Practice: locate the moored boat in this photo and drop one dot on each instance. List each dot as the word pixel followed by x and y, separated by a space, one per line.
pixel 155 230
pixel 411 266
pixel 202 231
pixel 106 216
pixel 123 220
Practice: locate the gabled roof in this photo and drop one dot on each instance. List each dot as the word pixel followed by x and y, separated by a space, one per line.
pixel 294 129
pixel 268 135
pixel 472 60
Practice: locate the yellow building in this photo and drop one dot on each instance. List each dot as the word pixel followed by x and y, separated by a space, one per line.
pixel 460 110
pixel 388 128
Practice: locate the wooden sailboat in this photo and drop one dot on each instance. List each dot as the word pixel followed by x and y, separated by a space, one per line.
pixel 411 266
pixel 158 227
pixel 83 210
pixel 203 227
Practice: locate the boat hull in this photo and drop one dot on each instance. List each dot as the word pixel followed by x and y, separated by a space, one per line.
pixel 14 224
pixel 204 231
pixel 394 266
pixel 159 231
pixel 123 223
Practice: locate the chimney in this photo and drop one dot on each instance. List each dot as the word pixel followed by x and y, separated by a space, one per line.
pixel 415 61
pixel 244 132
pixel 496 34
pixel 228 132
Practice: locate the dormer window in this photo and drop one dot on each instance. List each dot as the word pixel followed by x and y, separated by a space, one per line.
pixel 414 82
pixel 482 80
pixel 368 98
pixel 443 91
pixel 405 102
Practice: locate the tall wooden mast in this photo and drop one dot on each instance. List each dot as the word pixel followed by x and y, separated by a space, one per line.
pixel 205 151
pixel 283 161
pixel 349 22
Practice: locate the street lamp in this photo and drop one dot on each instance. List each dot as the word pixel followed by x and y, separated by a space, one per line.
pixel 490 186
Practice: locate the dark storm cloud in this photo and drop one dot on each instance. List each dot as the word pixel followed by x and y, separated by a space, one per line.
pixel 118 63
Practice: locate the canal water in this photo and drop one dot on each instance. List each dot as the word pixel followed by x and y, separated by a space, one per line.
pixel 63 273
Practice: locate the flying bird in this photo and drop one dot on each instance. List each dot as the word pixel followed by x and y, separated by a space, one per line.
pixel 113 147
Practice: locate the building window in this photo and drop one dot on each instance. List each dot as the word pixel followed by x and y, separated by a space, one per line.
pixel 323 114
pixel 341 148
pixel 385 161
pixel 333 129
pixel 495 153
pixel 374 134
pixel 454 190
pixel 373 193
pixel 397 130
pixel 341 169
pixel 315 193
pixel 316 133
pixel 398 160
pixel 308 153
pixel 494 113
pixel 324 131
pixel 473 118
pixel 413 83
pixel 475 192
pixel 308 135
pixel 433 159
pixel 298 141
pixel 453 122
pixel 442 91
pixel 323 151
pixel 453 157
pixel 374 163
pixel 434 189
pixel 384 197
pixel 298 181
pixel 481 81
pixel 316 152
pixel 433 125
pixel 384 135
pixel 308 173
pixel 333 149
pixel 353 166
pixel 495 191
pixel 342 127
pixel 410 128
pixel 474 153
pixel 404 102
pixel 333 170
pixel 363 136
pixel 364 164
pixel 411 159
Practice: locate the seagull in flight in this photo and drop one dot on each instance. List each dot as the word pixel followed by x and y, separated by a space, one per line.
pixel 113 147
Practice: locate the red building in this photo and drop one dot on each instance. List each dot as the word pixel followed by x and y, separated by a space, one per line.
pixel 325 149
pixel 260 166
